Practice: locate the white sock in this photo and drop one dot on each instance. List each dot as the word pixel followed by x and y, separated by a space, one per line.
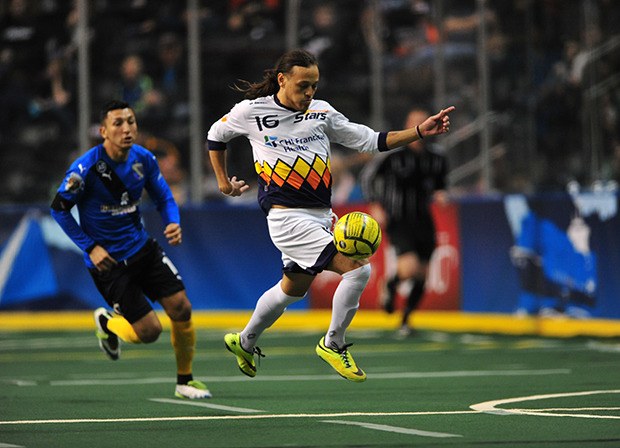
pixel 345 303
pixel 269 308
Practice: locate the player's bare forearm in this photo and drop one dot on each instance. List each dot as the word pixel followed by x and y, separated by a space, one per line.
pixel 230 186
pixel 433 125
pixel 218 162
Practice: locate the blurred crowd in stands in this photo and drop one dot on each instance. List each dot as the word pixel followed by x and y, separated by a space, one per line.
pixel 554 64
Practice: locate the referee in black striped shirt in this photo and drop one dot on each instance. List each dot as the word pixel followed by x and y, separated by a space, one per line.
pixel 400 185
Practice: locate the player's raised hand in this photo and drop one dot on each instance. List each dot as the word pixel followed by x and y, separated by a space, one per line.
pixel 437 124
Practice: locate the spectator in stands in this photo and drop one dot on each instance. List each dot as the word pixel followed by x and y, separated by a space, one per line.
pixel 136 88
pixel 15 96
pixel 22 58
pixel 55 99
pixel 326 36
pixel 169 159
pixel 170 71
pixel 170 78
pixel 20 32
pixel 254 18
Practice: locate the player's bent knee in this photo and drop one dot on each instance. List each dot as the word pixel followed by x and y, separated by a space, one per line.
pixel 360 275
pixel 341 264
pixel 148 328
pixel 150 334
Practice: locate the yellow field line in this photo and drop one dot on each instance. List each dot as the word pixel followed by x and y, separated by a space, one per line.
pixel 318 320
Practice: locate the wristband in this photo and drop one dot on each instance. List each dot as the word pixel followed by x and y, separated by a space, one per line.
pixel 417 129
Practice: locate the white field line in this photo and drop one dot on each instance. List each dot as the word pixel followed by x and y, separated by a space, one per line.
pixel 485 407
pixel 227 417
pixel 377 376
pixel 565 409
pixel 395 429
pixel 47 343
pixel 204 404
pixel 491 407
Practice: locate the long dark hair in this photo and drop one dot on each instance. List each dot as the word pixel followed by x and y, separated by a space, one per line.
pixel 269 84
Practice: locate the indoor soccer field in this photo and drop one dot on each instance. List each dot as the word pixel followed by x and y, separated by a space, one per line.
pixel 436 389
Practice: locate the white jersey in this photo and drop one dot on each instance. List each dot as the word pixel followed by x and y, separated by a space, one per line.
pixel 291 148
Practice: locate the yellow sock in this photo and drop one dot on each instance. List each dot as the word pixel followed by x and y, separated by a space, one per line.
pixel 183 338
pixel 123 329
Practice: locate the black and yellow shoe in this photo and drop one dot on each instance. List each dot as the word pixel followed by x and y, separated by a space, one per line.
pixel 245 359
pixel 341 360
pixel 108 341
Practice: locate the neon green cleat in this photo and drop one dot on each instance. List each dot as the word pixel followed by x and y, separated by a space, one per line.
pixel 193 390
pixel 341 360
pixel 245 359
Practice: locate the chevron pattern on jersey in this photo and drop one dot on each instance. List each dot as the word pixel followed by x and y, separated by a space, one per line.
pixel 301 171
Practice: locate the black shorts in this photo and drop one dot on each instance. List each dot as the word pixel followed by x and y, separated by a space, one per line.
pixel 148 273
pixel 417 237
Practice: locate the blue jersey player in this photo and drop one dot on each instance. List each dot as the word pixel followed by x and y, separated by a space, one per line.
pixel 127 265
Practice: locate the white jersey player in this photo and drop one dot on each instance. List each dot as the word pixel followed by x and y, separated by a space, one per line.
pixel 292 148
pixel 290 133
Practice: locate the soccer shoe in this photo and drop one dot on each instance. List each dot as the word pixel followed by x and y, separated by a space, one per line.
pixel 405 331
pixel 245 359
pixel 108 341
pixel 193 390
pixel 341 360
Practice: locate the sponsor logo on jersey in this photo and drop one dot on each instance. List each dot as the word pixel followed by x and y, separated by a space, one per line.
pixel 123 209
pixel 292 144
pixel 271 141
pixel 138 168
pixel 310 115
pixel 273 121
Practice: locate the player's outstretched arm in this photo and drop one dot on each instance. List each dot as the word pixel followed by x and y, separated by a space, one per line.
pixel 433 125
pixel 436 124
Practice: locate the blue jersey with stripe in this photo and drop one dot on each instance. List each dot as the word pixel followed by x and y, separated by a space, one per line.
pixel 109 217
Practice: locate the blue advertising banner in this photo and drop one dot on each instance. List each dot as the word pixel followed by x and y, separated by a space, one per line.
pixel 531 255
pixel 543 255
pixel 226 260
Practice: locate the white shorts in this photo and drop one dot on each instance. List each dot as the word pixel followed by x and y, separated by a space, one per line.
pixel 304 237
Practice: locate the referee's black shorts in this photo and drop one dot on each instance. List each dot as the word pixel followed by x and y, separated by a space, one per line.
pixel 413 236
pixel 148 273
